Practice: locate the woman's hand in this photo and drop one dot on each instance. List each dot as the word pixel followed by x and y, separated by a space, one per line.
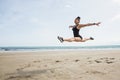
pixel 97 24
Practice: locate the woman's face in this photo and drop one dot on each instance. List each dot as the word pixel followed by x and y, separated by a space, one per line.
pixel 77 21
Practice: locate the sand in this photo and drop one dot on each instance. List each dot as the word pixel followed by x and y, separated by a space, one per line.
pixel 60 65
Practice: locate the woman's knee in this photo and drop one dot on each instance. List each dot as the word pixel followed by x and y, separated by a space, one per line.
pixel 72 39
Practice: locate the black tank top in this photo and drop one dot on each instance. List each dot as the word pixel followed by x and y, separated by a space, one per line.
pixel 75 31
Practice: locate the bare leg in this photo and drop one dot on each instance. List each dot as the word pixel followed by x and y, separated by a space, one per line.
pixel 69 39
pixel 77 39
pixel 85 39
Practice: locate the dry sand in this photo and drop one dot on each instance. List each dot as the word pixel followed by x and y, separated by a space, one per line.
pixel 60 65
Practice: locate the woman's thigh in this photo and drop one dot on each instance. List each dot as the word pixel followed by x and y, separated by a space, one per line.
pixel 77 38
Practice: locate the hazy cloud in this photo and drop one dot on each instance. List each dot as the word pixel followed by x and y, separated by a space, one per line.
pixel 116 1
pixel 116 17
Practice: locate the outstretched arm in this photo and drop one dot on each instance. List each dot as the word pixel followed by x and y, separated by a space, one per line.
pixel 89 24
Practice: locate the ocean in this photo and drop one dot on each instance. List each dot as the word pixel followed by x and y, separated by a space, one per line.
pixel 57 48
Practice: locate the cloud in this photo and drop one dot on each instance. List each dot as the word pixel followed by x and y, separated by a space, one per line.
pixel 116 17
pixel 116 1
pixel 68 6
pixel 34 20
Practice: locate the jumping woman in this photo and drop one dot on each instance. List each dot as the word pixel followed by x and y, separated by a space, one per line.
pixel 76 28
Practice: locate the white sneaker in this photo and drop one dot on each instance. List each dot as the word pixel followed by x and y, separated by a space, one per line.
pixel 60 39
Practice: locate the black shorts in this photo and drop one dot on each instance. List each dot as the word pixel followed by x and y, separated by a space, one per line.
pixel 79 36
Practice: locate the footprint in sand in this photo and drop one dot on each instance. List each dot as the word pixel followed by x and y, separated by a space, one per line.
pixel 98 61
pixel 45 65
pixel 88 57
pixel 57 61
pixel 109 62
pixel 17 77
pixel 27 65
pixel 38 61
pixel 23 67
pixel 105 60
pixel 95 72
pixel 77 60
pixel 90 62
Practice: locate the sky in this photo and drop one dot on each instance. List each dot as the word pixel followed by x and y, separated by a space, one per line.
pixel 39 22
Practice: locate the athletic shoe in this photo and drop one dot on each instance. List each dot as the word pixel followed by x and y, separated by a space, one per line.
pixel 60 39
pixel 91 38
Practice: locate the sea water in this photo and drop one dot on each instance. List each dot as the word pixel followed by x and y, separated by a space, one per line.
pixel 57 48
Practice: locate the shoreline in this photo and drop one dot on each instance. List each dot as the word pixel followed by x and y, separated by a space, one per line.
pixel 55 50
pixel 59 48
pixel 67 50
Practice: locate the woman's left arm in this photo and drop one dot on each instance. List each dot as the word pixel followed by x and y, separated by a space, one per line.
pixel 89 24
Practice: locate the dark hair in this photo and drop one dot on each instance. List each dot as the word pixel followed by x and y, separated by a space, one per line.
pixel 78 17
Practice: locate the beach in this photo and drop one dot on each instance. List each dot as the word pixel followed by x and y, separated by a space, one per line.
pixel 60 65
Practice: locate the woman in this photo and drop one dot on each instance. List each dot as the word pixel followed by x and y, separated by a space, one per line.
pixel 76 28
